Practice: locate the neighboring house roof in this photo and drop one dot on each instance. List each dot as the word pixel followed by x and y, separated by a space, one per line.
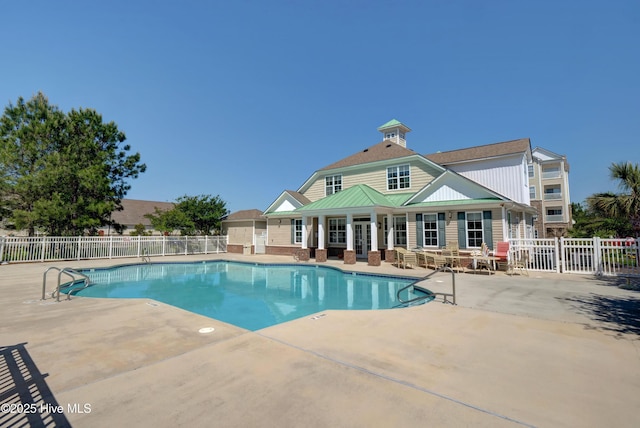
pixel 523 145
pixel 134 210
pixel 382 151
pixel 253 214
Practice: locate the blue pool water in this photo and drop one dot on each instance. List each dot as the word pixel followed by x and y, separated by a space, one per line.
pixel 248 295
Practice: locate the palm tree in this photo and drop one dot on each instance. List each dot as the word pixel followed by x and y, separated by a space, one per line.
pixel 626 204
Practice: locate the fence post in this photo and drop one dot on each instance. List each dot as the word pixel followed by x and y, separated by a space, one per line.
pixel 110 246
pixel 2 240
pixel 164 240
pixel 206 243
pixel 559 254
pixel 597 256
pixel 44 241
pixel 186 244
pixel 79 245
pixel 138 246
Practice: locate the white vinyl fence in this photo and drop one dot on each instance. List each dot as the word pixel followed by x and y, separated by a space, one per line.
pixel 48 248
pixel 579 255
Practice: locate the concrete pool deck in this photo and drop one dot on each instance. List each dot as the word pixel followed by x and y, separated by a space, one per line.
pixel 545 350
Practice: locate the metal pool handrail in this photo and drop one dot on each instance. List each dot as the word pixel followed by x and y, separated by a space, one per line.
pixel 67 271
pixel 444 295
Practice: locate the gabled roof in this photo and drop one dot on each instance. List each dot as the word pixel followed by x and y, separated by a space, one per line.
pixel 547 155
pixel 134 210
pixel 356 196
pixel 452 187
pixel 253 214
pixel 506 148
pixel 385 150
pixel 287 202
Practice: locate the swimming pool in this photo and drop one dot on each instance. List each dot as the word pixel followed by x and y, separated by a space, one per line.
pixel 248 295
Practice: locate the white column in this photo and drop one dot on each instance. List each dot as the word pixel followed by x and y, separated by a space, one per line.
pixel 390 232
pixel 304 232
pixel 374 232
pixel 349 232
pixel 321 221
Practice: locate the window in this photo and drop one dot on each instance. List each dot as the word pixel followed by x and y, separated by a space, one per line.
pixel 389 135
pixel 430 230
pixel 474 230
pixel 332 184
pixel 297 228
pixel 399 229
pixel 398 177
pixel 532 192
pixel 337 231
pixel 530 168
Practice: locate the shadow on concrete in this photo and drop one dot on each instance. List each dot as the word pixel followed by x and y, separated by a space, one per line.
pixel 618 314
pixel 25 397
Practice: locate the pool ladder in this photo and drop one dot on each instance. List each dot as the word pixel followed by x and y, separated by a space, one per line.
pixel 431 293
pixel 72 273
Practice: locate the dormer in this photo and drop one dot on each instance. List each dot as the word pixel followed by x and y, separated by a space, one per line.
pixel 395 131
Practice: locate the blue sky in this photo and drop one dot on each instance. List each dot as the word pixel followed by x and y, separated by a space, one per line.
pixel 245 99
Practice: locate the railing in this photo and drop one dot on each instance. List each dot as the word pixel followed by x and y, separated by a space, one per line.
pixel 552 196
pixel 430 294
pixel 551 174
pixel 71 273
pixel 554 218
pixel 597 256
pixel 51 248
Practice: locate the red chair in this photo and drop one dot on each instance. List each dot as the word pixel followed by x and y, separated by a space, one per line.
pixel 502 253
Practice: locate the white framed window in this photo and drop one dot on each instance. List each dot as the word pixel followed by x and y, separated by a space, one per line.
pixel 399 230
pixel 530 170
pixel 337 231
pixel 399 177
pixel 389 135
pixel 297 231
pixel 474 230
pixel 532 192
pixel 430 229
pixel 332 184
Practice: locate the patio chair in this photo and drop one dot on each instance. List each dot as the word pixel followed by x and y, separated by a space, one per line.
pixel 452 259
pixel 519 262
pixel 405 257
pixel 435 261
pixel 502 253
pixel 421 258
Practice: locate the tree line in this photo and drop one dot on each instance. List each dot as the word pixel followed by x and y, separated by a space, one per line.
pixel 64 174
pixel 611 214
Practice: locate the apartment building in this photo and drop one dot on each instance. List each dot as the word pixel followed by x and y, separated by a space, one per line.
pixel 549 193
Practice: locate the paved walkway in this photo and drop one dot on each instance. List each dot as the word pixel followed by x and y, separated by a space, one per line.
pixel 545 350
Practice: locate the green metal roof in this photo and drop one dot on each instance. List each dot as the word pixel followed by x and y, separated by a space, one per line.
pixel 359 195
pixel 392 122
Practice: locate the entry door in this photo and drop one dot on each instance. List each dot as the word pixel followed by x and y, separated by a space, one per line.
pixel 362 236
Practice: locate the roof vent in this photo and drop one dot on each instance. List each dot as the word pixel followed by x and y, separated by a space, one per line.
pixel 365 150
pixel 388 145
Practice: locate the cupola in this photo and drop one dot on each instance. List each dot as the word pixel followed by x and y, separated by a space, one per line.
pixel 395 131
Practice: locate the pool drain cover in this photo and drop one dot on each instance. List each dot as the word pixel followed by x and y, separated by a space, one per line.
pixel 205 330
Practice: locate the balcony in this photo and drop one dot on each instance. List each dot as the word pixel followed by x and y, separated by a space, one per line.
pixel 551 174
pixel 557 218
pixel 552 196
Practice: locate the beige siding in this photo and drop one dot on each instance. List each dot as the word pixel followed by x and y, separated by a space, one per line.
pixel 279 231
pixel 240 232
pixel 376 178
